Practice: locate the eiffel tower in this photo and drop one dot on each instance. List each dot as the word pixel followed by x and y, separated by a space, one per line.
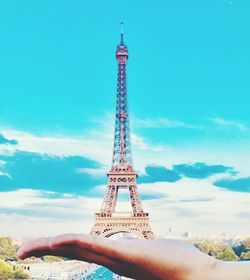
pixel 122 174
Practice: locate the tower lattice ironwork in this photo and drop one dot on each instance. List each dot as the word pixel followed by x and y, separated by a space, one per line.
pixel 122 173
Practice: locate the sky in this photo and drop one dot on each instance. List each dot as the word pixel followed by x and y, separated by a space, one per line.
pixel 188 86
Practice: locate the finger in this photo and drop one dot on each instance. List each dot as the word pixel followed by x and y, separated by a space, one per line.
pixel 132 258
pixel 77 253
pixel 111 253
pixel 34 247
pixel 117 250
pixel 43 246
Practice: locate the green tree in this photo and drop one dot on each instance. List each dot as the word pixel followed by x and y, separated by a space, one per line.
pixel 219 250
pixel 245 256
pixel 6 271
pixel 227 255
pixel 211 248
pixel 7 249
pixel 20 274
pixel 203 247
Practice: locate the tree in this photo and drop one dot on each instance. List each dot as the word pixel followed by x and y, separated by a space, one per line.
pixel 227 255
pixel 239 249
pixel 7 249
pixel 20 274
pixel 245 256
pixel 6 271
pixel 211 248
pixel 246 243
pixel 219 250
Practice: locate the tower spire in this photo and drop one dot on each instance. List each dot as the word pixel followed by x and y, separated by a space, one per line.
pixel 122 32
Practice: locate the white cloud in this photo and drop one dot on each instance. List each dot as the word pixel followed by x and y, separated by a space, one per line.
pixel 96 144
pixel 211 210
pixel 91 147
pixel 226 2
pixel 27 212
pixel 21 197
pixel 94 172
pixel 139 142
pixel 190 205
pixel 22 227
pixel 217 153
pixel 27 197
pixel 197 206
pixel 162 123
pixel 230 124
pixel 5 174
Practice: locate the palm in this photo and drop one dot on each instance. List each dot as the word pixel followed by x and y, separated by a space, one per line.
pixel 157 259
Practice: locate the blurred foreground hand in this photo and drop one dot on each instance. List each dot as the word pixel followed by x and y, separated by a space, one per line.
pixel 138 259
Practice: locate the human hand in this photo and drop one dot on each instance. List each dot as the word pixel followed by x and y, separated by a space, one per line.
pixel 138 259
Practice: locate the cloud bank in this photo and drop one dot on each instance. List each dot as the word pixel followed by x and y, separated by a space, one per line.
pixel 47 172
pixel 197 170
pixel 238 184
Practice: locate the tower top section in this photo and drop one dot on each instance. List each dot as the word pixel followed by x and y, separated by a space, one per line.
pixel 122 50
pixel 122 154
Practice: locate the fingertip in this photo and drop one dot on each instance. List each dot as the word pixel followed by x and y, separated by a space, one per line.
pixel 20 255
pixel 23 255
pixel 30 247
pixel 21 252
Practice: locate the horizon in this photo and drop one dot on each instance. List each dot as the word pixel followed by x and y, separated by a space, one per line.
pixel 188 101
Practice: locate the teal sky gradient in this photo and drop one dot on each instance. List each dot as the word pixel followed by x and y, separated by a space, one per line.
pixel 189 96
pixel 189 61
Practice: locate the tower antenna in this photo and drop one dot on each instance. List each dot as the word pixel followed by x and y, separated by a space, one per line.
pixel 122 32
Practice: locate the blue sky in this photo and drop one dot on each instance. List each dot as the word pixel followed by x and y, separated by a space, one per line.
pixel 188 100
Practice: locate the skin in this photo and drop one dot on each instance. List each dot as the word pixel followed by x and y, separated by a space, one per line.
pixel 138 259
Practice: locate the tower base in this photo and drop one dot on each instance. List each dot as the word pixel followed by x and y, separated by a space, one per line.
pixel 122 222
